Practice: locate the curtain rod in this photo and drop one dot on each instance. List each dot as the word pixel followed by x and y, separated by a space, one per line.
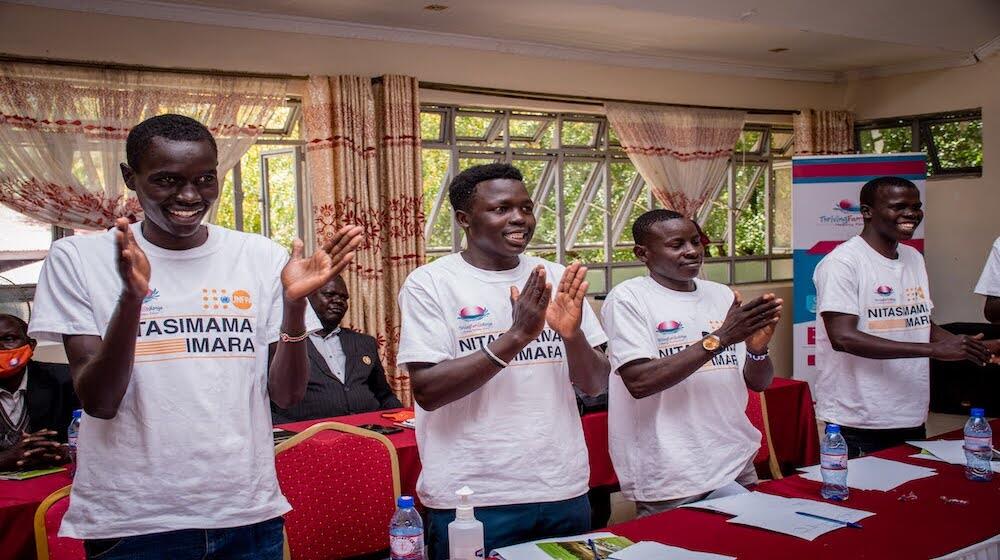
pixel 509 93
pixel 583 100
pixel 4 57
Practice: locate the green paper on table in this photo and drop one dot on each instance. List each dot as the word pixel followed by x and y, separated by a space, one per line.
pixel 25 475
pixel 581 550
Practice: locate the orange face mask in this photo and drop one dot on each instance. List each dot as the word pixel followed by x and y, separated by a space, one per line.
pixel 13 361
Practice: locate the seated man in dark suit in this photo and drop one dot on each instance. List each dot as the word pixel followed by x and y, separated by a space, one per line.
pixel 36 402
pixel 345 375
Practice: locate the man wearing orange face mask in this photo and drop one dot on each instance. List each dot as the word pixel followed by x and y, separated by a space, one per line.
pixel 36 402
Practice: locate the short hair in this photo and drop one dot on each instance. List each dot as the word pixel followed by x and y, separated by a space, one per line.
pixel 463 186
pixel 871 188
pixel 644 223
pixel 169 126
pixel 17 321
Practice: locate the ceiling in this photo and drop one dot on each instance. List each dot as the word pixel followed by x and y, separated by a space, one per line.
pixel 824 40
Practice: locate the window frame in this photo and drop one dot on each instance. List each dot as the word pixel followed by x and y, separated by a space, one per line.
pixel 920 134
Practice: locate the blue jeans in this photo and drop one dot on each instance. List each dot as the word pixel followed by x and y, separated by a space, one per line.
pixel 260 541
pixel 513 524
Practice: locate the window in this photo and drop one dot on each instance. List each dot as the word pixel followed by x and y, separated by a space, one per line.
pixel 263 192
pixel 952 141
pixel 587 193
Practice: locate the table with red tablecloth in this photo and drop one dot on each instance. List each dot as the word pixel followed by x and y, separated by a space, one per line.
pixel 18 501
pixel 793 431
pixel 923 528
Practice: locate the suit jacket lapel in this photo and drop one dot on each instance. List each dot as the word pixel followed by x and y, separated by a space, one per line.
pixel 349 342
pixel 319 361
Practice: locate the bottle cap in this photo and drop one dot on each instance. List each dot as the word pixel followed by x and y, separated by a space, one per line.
pixel 77 414
pixel 405 502
pixel 832 429
pixel 978 413
pixel 464 510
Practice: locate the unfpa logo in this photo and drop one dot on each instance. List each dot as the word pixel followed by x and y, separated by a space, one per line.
pixel 884 290
pixel 669 327
pixel 472 313
pixel 215 298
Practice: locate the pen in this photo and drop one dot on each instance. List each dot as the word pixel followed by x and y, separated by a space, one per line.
pixel 593 548
pixel 852 524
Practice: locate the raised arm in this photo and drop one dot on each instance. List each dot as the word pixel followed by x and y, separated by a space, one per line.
pixel 102 366
pixel 288 374
pixel 435 385
pixel 647 377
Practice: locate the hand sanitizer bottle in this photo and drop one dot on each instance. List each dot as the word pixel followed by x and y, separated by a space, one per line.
pixel 465 534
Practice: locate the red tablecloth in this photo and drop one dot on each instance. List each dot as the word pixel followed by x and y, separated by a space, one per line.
pixel 924 528
pixel 18 501
pixel 793 423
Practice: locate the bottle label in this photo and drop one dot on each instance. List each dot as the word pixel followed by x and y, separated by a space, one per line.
pixel 406 547
pixel 835 461
pixel 978 442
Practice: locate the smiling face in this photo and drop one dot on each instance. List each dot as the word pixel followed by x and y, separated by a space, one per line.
pixel 673 253
pixel 176 182
pixel 895 212
pixel 499 223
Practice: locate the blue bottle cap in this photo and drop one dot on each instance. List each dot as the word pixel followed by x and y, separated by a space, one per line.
pixel 77 414
pixel 832 429
pixel 405 502
pixel 978 413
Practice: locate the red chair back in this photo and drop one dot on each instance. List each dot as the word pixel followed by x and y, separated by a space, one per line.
pixel 757 413
pixel 342 483
pixel 48 516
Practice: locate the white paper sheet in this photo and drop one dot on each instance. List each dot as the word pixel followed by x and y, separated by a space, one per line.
pixel 738 504
pixel 647 550
pixel 947 450
pixel 995 465
pixel 874 473
pixel 776 513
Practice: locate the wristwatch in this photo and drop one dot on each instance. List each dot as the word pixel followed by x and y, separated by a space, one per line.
pixel 712 343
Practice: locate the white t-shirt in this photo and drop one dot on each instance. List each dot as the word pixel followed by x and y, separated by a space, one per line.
pixel 191 445
pixel 891 299
pixel 989 281
pixel 518 438
pixel 694 437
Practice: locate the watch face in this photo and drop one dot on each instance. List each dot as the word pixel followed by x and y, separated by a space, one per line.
pixel 710 343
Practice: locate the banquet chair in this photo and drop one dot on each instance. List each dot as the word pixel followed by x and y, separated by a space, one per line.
pixel 342 482
pixel 48 543
pixel 757 412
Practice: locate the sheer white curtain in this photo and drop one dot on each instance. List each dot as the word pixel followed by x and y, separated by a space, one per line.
pixel 63 130
pixel 681 152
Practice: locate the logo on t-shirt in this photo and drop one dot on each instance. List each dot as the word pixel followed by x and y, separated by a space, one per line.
pixel 148 302
pixel 472 313
pixel 669 327
pixel 152 294
pixel 221 298
pixel 884 290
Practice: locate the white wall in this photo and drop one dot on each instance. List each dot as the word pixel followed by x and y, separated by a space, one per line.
pixel 963 214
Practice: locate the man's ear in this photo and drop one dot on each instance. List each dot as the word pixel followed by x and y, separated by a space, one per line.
pixel 640 252
pixel 128 175
pixel 866 211
pixel 462 217
pixel 32 342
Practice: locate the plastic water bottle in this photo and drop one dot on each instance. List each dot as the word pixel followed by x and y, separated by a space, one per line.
pixel 833 464
pixel 406 532
pixel 72 433
pixel 978 447
pixel 465 533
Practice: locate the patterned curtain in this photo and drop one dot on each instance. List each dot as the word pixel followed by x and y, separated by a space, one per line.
pixel 363 156
pixel 680 152
pixel 824 132
pixel 63 131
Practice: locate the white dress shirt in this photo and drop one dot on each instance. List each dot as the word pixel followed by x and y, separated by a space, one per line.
pixel 13 403
pixel 333 352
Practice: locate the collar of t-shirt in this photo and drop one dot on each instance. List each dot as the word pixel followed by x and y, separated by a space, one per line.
pixel 879 258
pixel 332 351
pixel 213 243
pixel 498 276
pixel 13 403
